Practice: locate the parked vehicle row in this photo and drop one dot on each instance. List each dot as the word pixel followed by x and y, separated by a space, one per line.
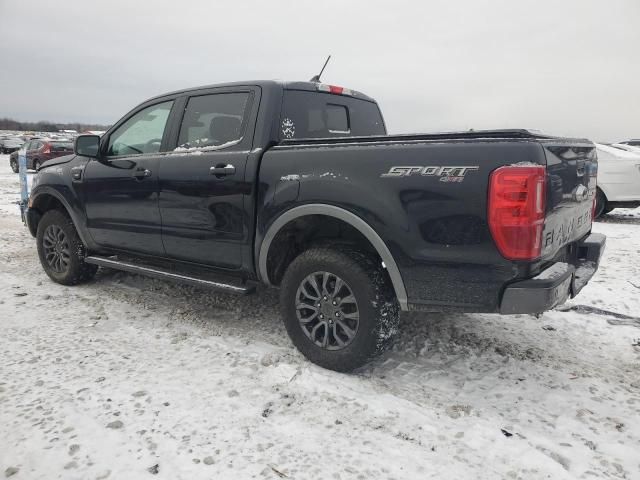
pixel 39 151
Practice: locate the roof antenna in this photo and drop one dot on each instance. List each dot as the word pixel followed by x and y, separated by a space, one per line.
pixel 316 78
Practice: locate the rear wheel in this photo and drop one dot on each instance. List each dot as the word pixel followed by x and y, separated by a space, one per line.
pixel 601 204
pixel 339 307
pixel 14 165
pixel 36 164
pixel 61 251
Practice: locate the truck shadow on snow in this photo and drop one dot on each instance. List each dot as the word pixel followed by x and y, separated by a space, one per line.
pixel 423 338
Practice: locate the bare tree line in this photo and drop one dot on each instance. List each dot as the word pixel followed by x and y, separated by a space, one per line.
pixel 45 126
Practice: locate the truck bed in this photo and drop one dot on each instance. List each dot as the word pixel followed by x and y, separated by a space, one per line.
pixel 437 228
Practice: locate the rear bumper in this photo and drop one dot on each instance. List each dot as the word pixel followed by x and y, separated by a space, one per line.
pixel 557 283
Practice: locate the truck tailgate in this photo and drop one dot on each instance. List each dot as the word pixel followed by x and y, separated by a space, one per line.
pixel 571 189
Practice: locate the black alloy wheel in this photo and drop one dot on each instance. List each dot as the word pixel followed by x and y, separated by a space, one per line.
pixel 61 251
pixel 56 249
pixel 338 306
pixel 327 310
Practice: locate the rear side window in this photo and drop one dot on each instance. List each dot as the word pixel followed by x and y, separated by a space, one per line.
pixel 317 115
pixel 213 120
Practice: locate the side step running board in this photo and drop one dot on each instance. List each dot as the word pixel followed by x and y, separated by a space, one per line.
pixel 155 272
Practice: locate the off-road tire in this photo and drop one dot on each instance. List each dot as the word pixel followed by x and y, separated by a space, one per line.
pixel 376 303
pixel 76 271
pixel 14 165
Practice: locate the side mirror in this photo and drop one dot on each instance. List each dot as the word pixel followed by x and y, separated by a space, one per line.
pixel 87 146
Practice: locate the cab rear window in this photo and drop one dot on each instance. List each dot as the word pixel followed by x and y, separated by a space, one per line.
pixel 318 115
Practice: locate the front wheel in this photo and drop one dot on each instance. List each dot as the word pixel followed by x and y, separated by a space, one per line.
pixel 61 251
pixel 338 307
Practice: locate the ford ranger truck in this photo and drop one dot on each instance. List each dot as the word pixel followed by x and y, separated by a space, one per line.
pixel 297 185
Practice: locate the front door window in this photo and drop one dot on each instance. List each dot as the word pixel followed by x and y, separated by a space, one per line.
pixel 142 133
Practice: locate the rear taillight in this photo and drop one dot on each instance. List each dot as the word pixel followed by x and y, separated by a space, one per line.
pixel 47 148
pixel 516 209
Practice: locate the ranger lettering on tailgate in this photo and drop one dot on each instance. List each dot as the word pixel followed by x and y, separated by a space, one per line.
pixel 564 232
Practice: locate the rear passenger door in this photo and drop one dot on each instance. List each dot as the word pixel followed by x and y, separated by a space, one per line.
pixel 202 182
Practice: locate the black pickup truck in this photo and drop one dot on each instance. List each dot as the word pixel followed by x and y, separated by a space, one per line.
pixel 297 185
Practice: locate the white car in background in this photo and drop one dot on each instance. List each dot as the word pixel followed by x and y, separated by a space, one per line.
pixel 627 147
pixel 618 179
pixel 633 142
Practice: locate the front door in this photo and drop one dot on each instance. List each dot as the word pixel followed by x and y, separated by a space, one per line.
pixel 121 188
pixel 202 182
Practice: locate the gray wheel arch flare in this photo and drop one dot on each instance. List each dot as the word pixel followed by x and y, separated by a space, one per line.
pixel 348 217
pixel 46 190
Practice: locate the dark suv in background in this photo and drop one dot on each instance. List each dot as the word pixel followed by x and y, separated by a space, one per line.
pixel 39 150
pixel 10 143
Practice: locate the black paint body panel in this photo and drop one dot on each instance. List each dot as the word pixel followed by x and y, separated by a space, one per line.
pixel 122 210
pixel 437 231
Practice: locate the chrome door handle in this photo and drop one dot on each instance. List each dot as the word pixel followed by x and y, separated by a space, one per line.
pixel 142 173
pixel 221 170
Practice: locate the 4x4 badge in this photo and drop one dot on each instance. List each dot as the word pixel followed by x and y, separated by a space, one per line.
pixel 445 174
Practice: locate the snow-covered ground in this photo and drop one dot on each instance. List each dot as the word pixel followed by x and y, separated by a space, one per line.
pixel 128 377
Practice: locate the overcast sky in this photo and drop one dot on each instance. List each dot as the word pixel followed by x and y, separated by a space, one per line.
pixel 568 67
